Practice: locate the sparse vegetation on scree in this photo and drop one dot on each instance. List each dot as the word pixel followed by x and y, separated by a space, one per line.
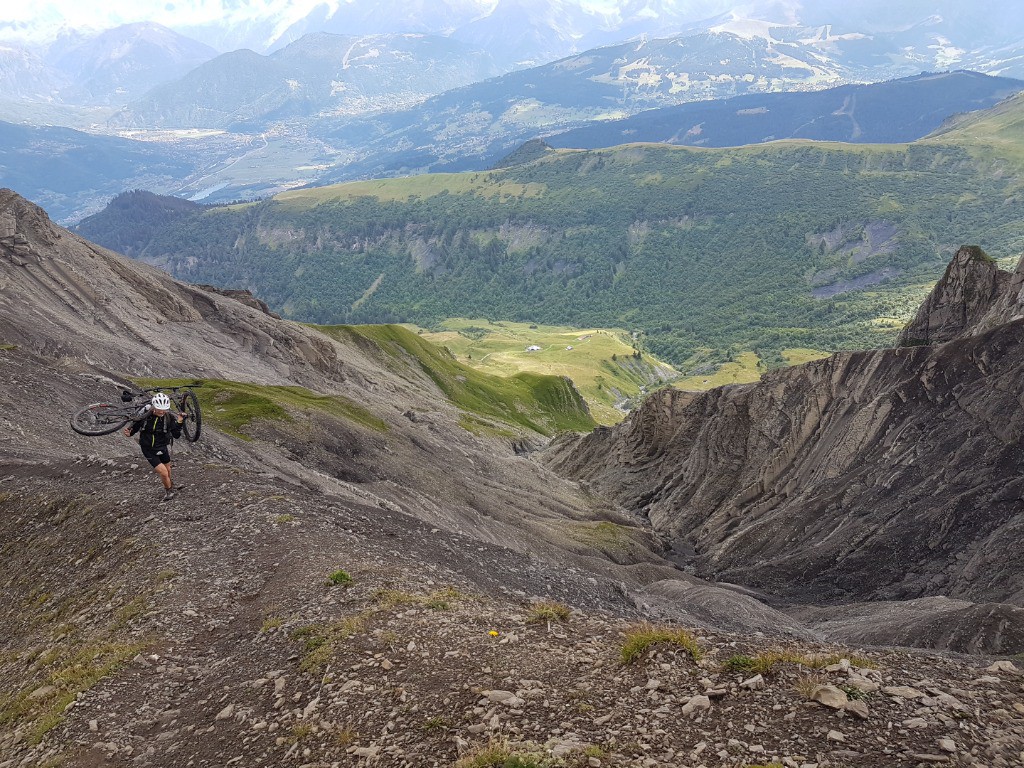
pixel 232 406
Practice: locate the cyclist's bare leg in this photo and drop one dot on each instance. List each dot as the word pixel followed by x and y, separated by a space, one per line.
pixel 164 471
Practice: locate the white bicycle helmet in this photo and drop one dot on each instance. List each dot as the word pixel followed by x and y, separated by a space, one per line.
pixel 161 402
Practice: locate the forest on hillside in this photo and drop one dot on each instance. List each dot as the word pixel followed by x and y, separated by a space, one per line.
pixel 704 253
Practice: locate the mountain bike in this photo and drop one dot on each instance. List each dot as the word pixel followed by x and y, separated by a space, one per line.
pixel 103 418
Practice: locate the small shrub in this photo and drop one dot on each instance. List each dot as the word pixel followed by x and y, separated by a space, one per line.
pixel 739 663
pixel 853 692
pixel 762 664
pixel 806 684
pixel 271 622
pixel 641 639
pixel 301 731
pixel 346 737
pixel 338 578
pixel 436 724
pixel 547 611
pixel 284 518
pixel 320 640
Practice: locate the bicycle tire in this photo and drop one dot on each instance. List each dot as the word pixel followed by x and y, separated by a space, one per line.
pixel 193 425
pixel 98 419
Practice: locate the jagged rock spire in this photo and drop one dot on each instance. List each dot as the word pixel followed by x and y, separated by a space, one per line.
pixel 969 289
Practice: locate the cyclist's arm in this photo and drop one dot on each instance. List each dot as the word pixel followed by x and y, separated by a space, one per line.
pixel 136 426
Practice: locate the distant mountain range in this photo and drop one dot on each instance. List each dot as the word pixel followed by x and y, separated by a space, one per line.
pixel 896 111
pixel 75 173
pixel 473 127
pixel 318 75
pixel 110 68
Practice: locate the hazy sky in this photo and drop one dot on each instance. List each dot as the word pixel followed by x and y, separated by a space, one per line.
pixel 40 19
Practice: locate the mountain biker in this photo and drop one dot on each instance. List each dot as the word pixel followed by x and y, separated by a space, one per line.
pixel 156 432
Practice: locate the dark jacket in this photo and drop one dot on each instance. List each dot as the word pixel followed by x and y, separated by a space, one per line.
pixel 156 431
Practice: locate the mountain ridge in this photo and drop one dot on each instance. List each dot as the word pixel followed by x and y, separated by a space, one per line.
pixel 707 252
pixel 346 553
pixel 926 437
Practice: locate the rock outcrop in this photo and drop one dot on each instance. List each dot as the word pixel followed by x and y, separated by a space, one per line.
pixel 884 475
pixel 966 294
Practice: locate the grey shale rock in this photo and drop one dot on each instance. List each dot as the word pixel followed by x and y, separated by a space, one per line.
pixel 696 705
pixel 829 696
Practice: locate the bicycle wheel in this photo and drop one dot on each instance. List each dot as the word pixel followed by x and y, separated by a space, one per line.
pixel 193 423
pixel 99 419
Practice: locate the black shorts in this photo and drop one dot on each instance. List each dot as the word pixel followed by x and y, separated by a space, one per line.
pixel 157 455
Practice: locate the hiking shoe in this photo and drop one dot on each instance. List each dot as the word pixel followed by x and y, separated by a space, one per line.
pixel 168 495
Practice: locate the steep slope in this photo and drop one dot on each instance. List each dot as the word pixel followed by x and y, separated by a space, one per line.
pixel 348 575
pixel 871 476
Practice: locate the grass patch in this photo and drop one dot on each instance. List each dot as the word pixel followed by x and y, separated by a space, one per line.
pixel 321 641
pixel 231 406
pixel 640 640
pixel 614 540
pixel 490 185
pixel 801 355
pixel 743 370
pixel 284 518
pixel 762 664
pixel 437 724
pixel 481 428
pixel 544 404
pixel 601 362
pixel 500 753
pixel 71 675
pixel 547 611
pixel 766 663
pixel 438 600
pixel 271 623
pixel 806 684
pixel 338 578
pixel 820 661
pixel 346 737
pixel 7 347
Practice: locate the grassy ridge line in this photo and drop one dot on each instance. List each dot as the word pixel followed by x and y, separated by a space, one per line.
pixel 994 133
pixel 231 406
pixel 540 403
pixel 407 188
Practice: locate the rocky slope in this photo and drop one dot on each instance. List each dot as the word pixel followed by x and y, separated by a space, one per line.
pixel 366 576
pixel 885 475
